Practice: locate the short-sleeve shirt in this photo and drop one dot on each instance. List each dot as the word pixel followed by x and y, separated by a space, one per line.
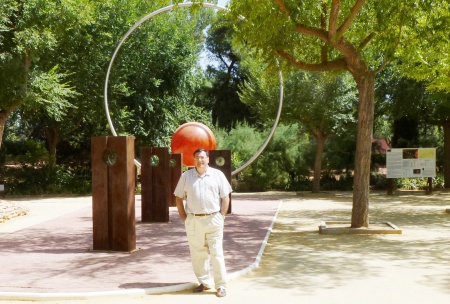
pixel 203 193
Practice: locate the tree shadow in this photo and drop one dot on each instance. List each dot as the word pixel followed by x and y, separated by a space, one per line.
pixel 297 256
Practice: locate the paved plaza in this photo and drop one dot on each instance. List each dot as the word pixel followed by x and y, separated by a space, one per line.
pixel 45 254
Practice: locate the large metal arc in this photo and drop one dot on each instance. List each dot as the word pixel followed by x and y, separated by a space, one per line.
pixel 166 9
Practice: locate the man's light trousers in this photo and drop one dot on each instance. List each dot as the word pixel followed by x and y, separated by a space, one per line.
pixel 206 233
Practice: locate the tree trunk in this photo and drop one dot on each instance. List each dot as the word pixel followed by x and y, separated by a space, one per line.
pixel 52 136
pixel 320 139
pixel 6 112
pixel 446 126
pixel 3 117
pixel 361 179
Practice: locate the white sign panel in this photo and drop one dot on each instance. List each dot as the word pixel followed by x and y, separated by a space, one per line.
pixel 411 162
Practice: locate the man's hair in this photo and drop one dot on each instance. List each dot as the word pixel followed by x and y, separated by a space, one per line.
pixel 201 150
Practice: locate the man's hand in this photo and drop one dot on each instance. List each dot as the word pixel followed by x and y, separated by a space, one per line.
pixel 225 203
pixel 180 207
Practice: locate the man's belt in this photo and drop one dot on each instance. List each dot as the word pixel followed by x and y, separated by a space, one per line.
pixel 203 214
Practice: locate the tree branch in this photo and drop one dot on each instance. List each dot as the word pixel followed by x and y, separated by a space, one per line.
pixel 222 59
pixel 383 65
pixel 283 7
pixel 366 41
pixel 324 53
pixel 323 17
pixel 313 32
pixel 323 25
pixel 300 28
pixel 353 12
pixel 334 14
pixel 338 64
pixel 346 49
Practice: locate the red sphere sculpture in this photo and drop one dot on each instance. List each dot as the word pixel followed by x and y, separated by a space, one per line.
pixel 190 137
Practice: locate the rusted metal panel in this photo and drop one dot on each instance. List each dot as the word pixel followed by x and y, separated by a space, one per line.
pixel 113 187
pixel 176 169
pixel 100 213
pixel 155 184
pixel 221 159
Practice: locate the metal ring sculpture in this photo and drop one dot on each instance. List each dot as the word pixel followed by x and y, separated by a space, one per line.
pixel 165 9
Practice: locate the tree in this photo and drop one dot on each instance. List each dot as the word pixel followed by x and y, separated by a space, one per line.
pixel 429 63
pixel 355 36
pixel 281 165
pixel 29 31
pixel 226 77
pixel 416 113
pixel 322 104
pixel 153 85
pixel 154 81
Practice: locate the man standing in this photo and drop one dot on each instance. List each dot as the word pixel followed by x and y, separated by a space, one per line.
pixel 206 191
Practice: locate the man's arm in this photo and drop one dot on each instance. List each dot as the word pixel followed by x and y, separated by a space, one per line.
pixel 180 207
pixel 225 203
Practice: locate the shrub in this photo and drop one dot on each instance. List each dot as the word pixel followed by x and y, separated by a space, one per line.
pixel 420 183
pixel 281 166
pixel 26 152
pixel 29 180
pixel 378 181
pixel 330 182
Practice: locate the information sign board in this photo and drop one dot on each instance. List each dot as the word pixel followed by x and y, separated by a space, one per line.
pixel 411 162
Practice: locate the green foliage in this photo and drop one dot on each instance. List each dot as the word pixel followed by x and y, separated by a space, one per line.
pixel 54 55
pixel 408 111
pixel 361 37
pixel 321 103
pixel 378 181
pixel 300 32
pixel 226 76
pixel 331 182
pixel 26 171
pixel 243 140
pixel 340 152
pixel 281 165
pixel 26 152
pixel 154 81
pixel 419 183
pixel 29 180
pixel 54 70
pixel 50 93
pixel 32 30
pixel 429 62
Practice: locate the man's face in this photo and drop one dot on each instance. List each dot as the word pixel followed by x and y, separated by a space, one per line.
pixel 201 159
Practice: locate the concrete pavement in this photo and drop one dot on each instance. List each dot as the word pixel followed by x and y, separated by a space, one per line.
pixel 48 254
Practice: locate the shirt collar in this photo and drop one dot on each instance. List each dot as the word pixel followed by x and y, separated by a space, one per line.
pixel 198 175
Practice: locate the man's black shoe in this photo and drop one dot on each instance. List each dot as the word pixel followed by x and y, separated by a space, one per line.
pixel 200 288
